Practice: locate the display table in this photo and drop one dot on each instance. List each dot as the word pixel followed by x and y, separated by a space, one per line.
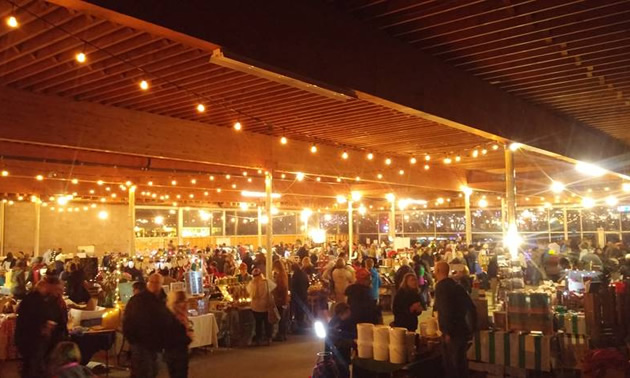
pixel 205 330
pixel 91 342
pixel 8 350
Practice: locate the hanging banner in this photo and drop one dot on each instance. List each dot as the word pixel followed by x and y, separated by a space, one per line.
pixel 195 232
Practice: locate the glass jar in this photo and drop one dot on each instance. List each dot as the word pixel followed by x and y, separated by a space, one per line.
pixel 325 367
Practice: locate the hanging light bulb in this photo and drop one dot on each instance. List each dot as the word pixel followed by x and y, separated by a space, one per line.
pixel 74 181
pixel 475 153
pixel 401 172
pixel 12 22
pixel 39 177
pixel 426 167
pixel 313 149
pixel 379 176
pixel 557 187
pixel 370 156
pixel 80 57
pixel 458 158
pixel 484 151
pixel 427 158
pixel 4 173
pixel 299 176
pixel 144 85
pixel 413 160
pixel 238 126
pixel 201 108
pixel 283 140
pixel 344 155
pixel 388 161
pixel 448 160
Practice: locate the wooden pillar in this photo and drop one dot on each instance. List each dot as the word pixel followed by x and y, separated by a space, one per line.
pixel 566 223
pixel 2 221
pixel 224 218
pixel 38 210
pixel 510 187
pixel 269 241
pixel 132 220
pixel 468 216
pixel 180 226
pixel 350 229
pixel 260 242
pixel 392 220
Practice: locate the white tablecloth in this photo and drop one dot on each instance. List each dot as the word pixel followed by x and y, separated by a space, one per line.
pixel 206 331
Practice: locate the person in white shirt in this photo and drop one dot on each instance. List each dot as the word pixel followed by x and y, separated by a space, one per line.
pixel 260 289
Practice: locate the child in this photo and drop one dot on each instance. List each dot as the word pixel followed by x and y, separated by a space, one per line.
pixel 65 360
pixel 340 338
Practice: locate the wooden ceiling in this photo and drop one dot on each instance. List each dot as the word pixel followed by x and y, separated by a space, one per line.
pixel 570 55
pixel 39 57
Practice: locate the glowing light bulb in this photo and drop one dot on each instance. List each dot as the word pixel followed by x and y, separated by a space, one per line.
pixel 413 160
pixel 483 203
pixel 283 140
pixel 370 156
pixel 390 197
pixel 173 182
pixel 458 158
pixel 341 199
pixel 484 151
pixel 144 85
pixel 193 181
pixel 401 172
pixel 318 179
pixel 103 214
pixel 344 155
pixel 448 160
pixel 495 147
pixel 379 176
pixel 299 176
pixel 313 149
pixel 201 108
pixel 238 126
pixel 588 202
pixel 357 179
pixel 475 153
pixel 612 201
pixel 515 146
pixel 39 177
pixel 74 181
pixel 388 161
pixel 4 173
pixel 427 167
pixel 557 187
pixel 80 57
pixel 355 195
pixel 12 22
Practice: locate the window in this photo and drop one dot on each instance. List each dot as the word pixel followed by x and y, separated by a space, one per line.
pixel 153 223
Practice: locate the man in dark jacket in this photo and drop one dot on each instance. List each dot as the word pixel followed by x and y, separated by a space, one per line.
pixel 362 306
pixel 144 323
pixel 41 324
pixel 457 318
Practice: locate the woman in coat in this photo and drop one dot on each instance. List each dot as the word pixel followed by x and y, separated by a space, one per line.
pixel 180 335
pixel 408 303
pixel 342 277
pixel 281 296
pixel 259 290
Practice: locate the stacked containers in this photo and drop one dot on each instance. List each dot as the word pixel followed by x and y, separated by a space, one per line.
pixel 397 348
pixel 381 343
pixel 365 341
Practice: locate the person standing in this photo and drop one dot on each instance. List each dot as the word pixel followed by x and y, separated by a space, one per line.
pixel 342 277
pixel 42 323
pixel 144 321
pixel 299 295
pixel 180 336
pixel 408 304
pixel 376 279
pixel 362 306
pixel 281 296
pixel 457 318
pixel 260 290
pixel 18 280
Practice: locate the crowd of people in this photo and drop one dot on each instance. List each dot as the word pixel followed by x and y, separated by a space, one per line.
pixel 437 275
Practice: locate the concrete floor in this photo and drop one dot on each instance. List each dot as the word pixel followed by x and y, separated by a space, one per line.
pixel 293 358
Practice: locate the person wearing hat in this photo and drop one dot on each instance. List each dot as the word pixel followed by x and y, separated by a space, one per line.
pixel 362 306
pixel 42 323
pixel 260 289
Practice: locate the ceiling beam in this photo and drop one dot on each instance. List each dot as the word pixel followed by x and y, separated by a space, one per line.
pixel 58 122
pixel 329 47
